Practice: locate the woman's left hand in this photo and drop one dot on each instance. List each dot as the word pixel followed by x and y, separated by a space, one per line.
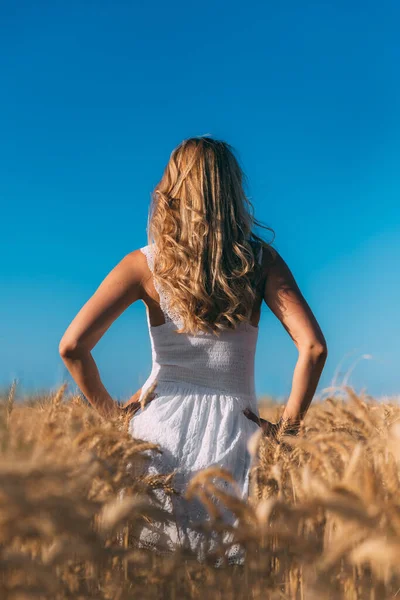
pixel 132 405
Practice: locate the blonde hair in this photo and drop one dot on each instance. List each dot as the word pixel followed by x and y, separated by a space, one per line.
pixel 201 223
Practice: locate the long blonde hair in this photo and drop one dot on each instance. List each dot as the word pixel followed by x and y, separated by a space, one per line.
pixel 201 224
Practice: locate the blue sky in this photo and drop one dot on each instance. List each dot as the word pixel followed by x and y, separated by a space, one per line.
pixel 94 98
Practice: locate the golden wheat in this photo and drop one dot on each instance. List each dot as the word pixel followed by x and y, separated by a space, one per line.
pixel 322 520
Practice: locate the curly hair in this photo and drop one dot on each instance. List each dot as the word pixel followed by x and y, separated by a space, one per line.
pixel 201 224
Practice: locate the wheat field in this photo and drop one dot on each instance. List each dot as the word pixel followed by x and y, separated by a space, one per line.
pixel 322 520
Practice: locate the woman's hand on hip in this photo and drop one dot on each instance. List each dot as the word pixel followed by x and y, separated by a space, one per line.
pixel 134 403
pixel 267 427
pixel 282 427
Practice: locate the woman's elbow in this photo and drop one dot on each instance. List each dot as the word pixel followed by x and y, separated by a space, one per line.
pixel 316 348
pixel 322 352
pixel 69 348
pixel 321 347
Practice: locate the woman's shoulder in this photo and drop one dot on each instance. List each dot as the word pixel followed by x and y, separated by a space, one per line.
pixel 270 254
pixel 265 253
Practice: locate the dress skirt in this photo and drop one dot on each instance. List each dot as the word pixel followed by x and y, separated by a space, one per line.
pixel 195 428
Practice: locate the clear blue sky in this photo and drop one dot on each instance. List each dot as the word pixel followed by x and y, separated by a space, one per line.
pixel 95 95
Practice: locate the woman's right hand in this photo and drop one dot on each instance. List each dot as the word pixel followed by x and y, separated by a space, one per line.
pixel 283 426
pixel 267 427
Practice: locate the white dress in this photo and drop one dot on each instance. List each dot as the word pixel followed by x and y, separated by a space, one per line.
pixel 204 383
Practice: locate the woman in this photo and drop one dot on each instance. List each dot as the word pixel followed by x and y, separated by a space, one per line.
pixel 203 277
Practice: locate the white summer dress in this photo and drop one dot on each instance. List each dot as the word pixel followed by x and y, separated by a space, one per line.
pixel 204 382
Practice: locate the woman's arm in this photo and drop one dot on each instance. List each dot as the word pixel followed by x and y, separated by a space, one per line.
pixel 121 287
pixel 282 295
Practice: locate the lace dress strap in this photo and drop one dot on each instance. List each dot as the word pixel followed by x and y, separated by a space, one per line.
pixel 260 253
pixel 169 314
pixel 257 250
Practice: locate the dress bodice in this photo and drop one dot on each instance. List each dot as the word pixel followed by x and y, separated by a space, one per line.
pixel 223 364
pixel 205 361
